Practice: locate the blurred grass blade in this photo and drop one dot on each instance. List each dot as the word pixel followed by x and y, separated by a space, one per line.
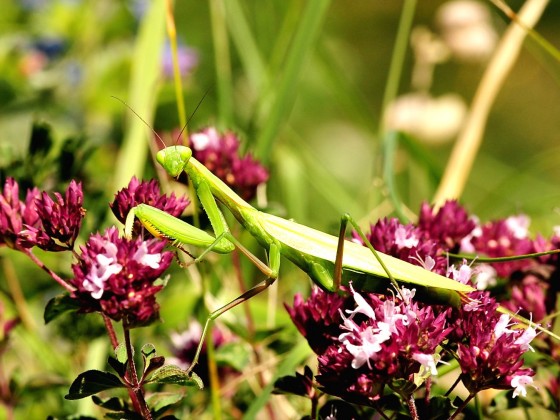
pixel 177 78
pixel 223 63
pixel 145 72
pixel 286 90
pixel 246 45
pixel 470 138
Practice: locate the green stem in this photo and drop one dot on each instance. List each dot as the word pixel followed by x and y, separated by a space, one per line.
pixel 286 90
pixel 389 139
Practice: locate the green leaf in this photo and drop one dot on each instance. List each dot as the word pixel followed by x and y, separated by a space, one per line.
pixel 151 360
pixel 59 305
pixel 129 415
pixel 119 367
pixel 113 403
pixel 171 374
pixel 119 409
pixel 91 382
pixel 154 364
pixel 233 355
pixel 148 350
pixel 161 401
pixel 121 354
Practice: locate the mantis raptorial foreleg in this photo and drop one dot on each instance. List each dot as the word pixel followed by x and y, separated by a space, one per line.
pixel 163 225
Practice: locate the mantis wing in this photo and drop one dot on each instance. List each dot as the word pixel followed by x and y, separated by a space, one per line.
pixel 356 257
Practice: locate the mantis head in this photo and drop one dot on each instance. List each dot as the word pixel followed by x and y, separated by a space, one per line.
pixel 174 159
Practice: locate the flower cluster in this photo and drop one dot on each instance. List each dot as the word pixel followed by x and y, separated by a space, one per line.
pixel 220 154
pixel 368 343
pixel 383 342
pixel 40 220
pixel 426 242
pixel 145 193
pixel 489 351
pixel 117 276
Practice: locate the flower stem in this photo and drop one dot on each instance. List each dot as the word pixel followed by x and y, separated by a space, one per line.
pixel 51 273
pixel 110 331
pixel 412 407
pixel 138 401
pixel 453 386
pixel 462 407
pixel 314 406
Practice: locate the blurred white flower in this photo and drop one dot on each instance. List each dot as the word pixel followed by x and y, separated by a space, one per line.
pixel 428 47
pixel 429 50
pixel 432 120
pixel 485 276
pixel 466 28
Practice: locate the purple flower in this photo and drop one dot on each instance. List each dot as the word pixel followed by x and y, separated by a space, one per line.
pixel 145 193
pixel 220 154
pixel 379 342
pixel 40 221
pixel 62 219
pixel 186 343
pixel 448 226
pixel 489 351
pixel 504 238
pixel 318 318
pixel 116 276
pixel 187 58
pixel 531 296
pixel 17 218
pixel 406 242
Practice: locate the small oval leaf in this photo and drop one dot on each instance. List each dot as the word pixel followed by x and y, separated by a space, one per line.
pixel 171 374
pixel 59 305
pixel 91 382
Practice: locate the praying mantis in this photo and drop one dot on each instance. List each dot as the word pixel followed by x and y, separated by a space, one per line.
pixel 328 260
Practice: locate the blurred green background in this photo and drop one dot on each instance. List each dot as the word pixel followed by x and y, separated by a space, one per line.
pixel 329 130
pixel 308 76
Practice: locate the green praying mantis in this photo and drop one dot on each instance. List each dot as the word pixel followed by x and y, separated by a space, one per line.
pixel 328 260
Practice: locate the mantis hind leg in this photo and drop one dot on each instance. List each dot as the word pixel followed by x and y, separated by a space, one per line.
pixel 271 273
pixel 344 221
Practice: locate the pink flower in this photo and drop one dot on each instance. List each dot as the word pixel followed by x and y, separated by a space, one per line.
pixel 117 276
pixel 219 152
pixel 145 192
